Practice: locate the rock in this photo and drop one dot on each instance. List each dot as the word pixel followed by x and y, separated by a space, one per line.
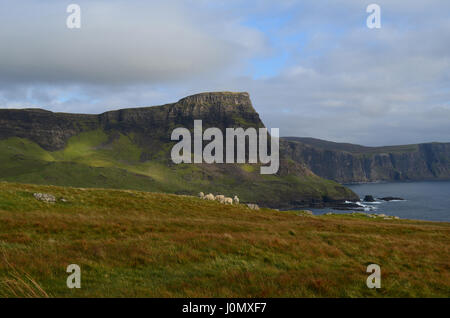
pixel 369 198
pixel 63 200
pixel 391 199
pixel 307 212
pixel 345 205
pixel 396 217
pixel 329 213
pixel 253 206
pixel 44 197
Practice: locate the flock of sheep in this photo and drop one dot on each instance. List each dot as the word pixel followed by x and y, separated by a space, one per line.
pixel 221 198
pixel 226 200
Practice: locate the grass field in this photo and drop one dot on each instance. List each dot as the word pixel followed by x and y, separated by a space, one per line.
pixel 141 244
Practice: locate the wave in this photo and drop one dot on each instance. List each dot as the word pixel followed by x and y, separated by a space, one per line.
pixel 364 206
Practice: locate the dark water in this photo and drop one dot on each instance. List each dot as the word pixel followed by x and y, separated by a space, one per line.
pixel 424 200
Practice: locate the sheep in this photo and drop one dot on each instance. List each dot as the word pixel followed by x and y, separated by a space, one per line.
pixel 220 197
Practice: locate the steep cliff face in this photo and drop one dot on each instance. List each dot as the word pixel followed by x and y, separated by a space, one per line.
pixel 130 148
pixel 52 130
pixel 348 163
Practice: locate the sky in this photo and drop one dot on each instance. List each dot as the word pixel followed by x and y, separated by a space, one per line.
pixel 312 68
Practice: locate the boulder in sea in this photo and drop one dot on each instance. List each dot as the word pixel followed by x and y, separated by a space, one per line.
pixel 369 198
pixel 391 199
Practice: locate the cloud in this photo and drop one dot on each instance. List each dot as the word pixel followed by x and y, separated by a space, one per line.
pixel 334 78
pixel 120 42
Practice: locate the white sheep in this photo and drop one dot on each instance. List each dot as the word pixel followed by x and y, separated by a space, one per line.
pixel 209 196
pixel 228 200
pixel 236 200
pixel 220 197
pixel 201 195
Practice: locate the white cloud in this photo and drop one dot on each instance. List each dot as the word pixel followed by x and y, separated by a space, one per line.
pixel 342 81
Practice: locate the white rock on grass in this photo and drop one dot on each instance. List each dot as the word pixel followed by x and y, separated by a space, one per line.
pixel 44 197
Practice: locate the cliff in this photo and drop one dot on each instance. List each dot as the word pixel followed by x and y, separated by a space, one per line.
pixel 52 130
pixel 130 148
pixel 347 163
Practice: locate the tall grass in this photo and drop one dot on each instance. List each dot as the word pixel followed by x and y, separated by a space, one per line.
pixel 18 283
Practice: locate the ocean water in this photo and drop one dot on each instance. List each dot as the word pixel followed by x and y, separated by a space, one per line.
pixel 424 200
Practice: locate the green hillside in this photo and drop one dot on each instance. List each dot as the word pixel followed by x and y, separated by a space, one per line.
pixel 89 160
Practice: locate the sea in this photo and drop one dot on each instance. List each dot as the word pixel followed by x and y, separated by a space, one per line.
pixel 424 200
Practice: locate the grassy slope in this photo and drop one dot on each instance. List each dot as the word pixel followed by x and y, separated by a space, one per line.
pixel 131 243
pixel 93 159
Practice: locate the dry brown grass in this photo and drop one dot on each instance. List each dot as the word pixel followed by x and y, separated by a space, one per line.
pixel 19 284
pixel 139 244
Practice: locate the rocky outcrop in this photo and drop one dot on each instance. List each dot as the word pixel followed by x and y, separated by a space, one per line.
pixel 369 198
pixel 50 130
pixel 347 163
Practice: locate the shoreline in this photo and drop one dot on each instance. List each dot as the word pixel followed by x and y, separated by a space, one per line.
pixel 346 184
